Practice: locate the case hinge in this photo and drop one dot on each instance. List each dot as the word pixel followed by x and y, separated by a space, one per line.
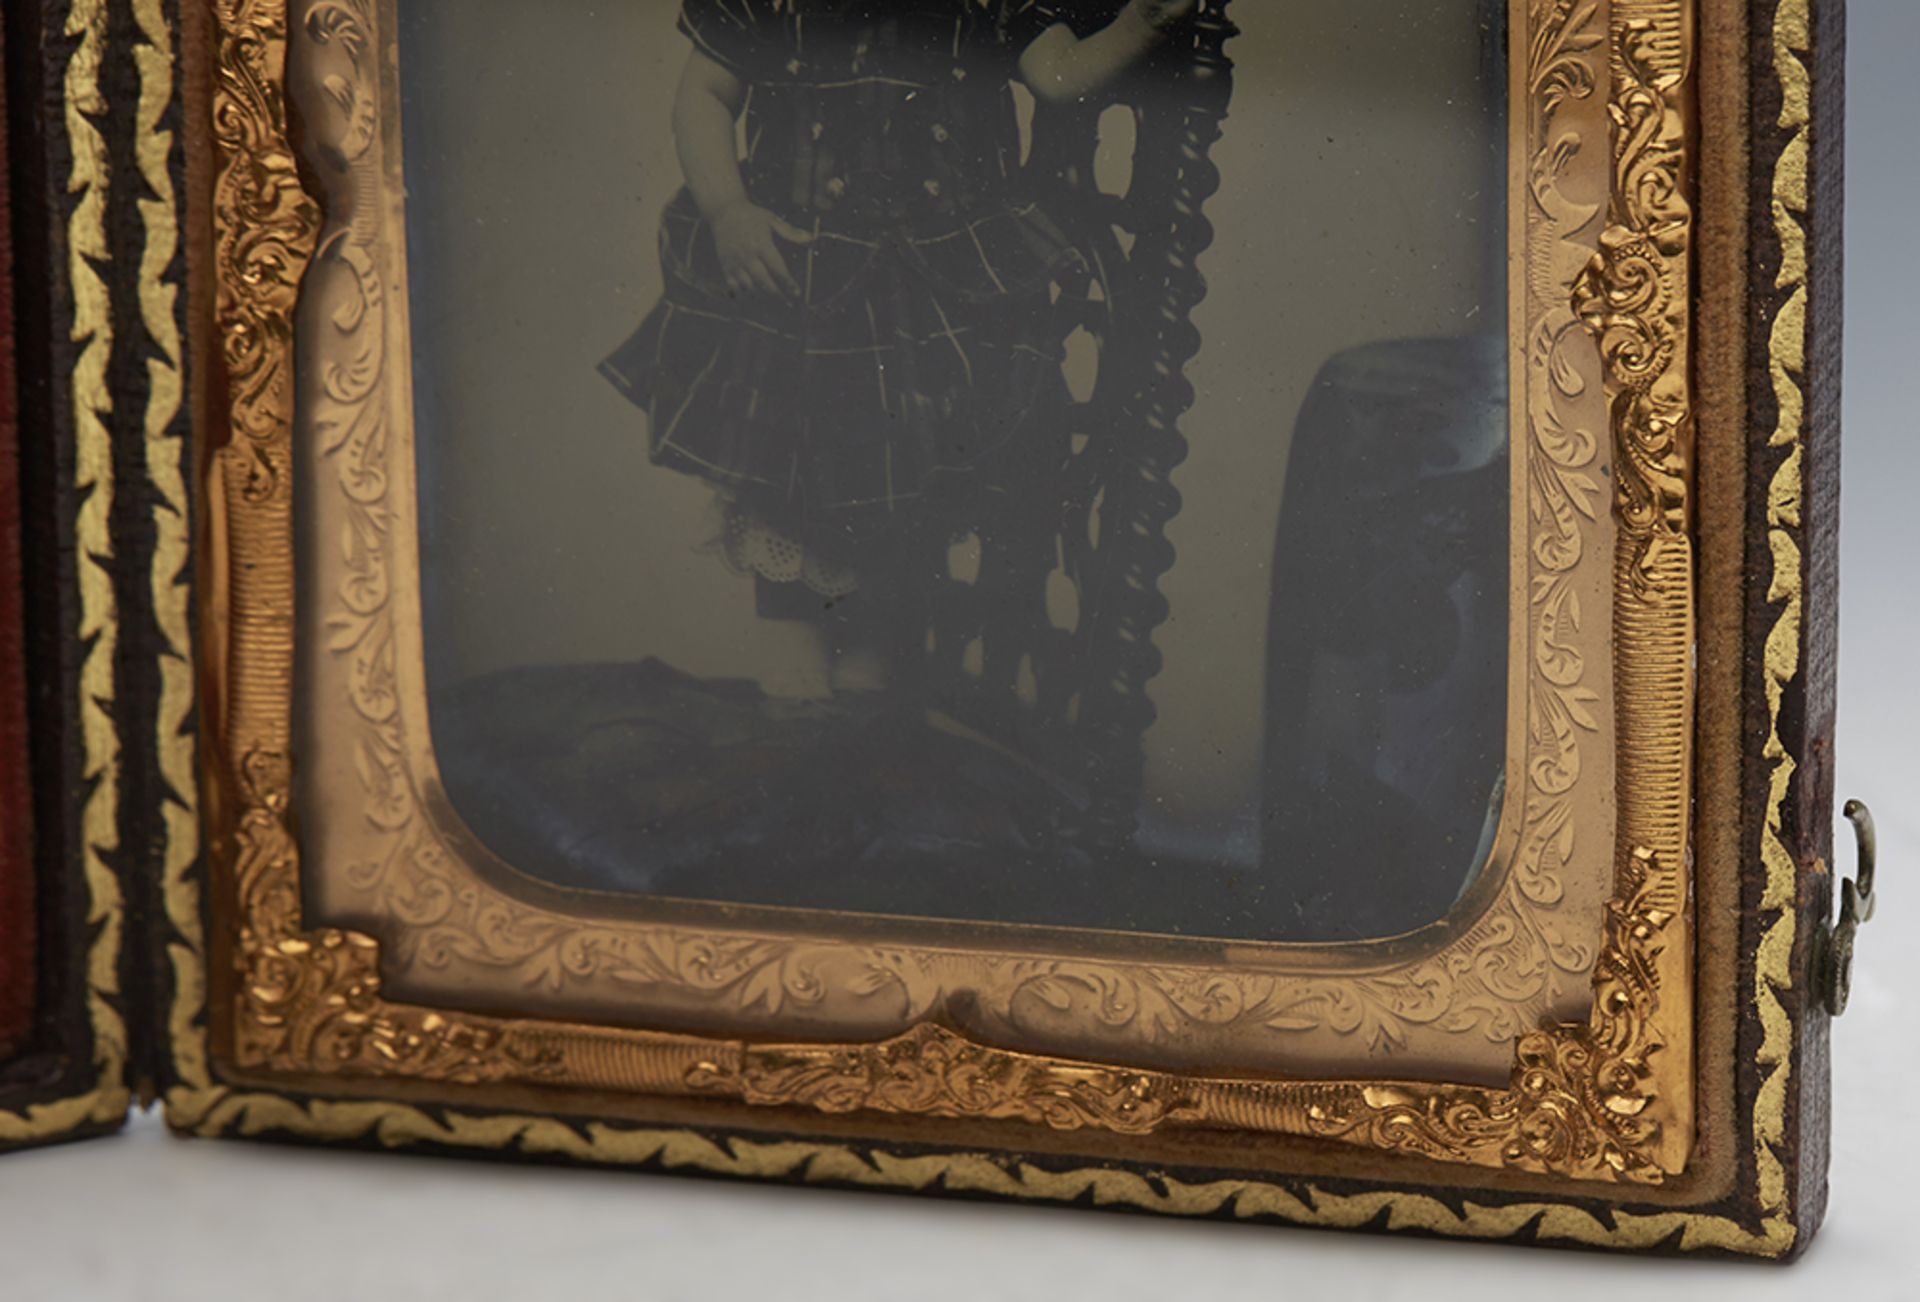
pixel 1833 946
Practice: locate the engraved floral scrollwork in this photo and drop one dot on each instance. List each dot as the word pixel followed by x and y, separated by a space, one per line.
pixel 264 246
pixel 1635 297
pixel 311 1000
pixel 1565 502
pixel 1632 297
pixel 1579 1101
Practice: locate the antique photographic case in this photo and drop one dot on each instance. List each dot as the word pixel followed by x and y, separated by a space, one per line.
pixel 1213 608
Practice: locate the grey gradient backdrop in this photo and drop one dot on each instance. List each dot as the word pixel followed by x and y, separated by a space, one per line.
pixel 149 1218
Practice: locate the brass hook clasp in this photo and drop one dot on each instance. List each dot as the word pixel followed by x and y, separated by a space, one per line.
pixel 1833 952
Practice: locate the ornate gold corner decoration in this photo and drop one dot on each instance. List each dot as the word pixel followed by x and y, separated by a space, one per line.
pixel 311 1000
pixel 1580 1102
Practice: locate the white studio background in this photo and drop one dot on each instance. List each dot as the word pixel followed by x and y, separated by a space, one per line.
pixel 151 1219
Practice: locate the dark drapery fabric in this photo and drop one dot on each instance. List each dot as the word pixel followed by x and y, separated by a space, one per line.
pixel 1387 637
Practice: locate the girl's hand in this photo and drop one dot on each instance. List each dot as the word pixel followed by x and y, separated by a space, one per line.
pixel 743 232
pixel 1161 14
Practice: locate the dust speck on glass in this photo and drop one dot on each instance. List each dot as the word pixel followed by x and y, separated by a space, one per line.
pixel 999 460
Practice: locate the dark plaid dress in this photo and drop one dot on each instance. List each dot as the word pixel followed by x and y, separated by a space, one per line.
pixel 914 378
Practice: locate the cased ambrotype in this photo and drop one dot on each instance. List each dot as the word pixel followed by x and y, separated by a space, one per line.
pixel 1043 801
pixel 843 440
pixel 395 917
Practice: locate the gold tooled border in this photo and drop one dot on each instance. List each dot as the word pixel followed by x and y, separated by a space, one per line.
pixel 1786 587
pixel 88 248
pixel 199 1103
pixel 171 569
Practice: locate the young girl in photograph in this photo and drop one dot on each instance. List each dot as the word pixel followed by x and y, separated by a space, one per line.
pixel 857 342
